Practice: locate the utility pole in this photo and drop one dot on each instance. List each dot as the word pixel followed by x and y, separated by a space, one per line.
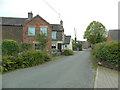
pixel 75 35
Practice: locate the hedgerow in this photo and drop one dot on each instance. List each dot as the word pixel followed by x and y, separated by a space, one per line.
pixel 24 60
pixel 107 51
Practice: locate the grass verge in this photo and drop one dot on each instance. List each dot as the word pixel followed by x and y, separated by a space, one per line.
pixel 94 61
pixel 55 58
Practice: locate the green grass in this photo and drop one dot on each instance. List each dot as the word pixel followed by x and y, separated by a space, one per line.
pixel 55 58
pixel 94 61
pixel 95 64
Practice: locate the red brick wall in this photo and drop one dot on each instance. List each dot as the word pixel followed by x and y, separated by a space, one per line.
pixel 37 22
pixel 13 33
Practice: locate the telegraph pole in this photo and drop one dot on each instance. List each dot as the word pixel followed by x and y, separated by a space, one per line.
pixel 75 35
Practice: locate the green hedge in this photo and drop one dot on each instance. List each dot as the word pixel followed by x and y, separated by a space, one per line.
pixel 10 47
pixel 107 51
pixel 24 60
pixel 77 46
pixel 25 46
pixel 67 52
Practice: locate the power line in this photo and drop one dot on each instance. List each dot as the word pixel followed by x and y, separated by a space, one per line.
pixel 53 8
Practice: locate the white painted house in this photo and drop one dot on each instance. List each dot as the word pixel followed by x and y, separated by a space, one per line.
pixel 67 42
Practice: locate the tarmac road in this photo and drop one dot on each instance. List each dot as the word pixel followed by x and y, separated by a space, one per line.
pixel 67 72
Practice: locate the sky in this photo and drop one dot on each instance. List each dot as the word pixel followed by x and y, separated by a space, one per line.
pixel 76 14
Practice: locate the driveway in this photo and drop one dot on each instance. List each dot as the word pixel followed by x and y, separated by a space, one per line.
pixel 67 72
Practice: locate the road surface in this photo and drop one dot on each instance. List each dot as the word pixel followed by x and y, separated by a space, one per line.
pixel 67 72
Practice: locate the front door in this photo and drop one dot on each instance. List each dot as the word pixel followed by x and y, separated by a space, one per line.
pixel 60 47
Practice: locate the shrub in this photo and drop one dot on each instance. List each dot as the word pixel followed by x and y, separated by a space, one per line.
pixel 8 63
pixel 107 51
pixel 10 47
pixel 24 60
pixel 80 47
pixel 32 58
pixel 26 46
pixel 77 47
pixel 47 57
pixel 67 52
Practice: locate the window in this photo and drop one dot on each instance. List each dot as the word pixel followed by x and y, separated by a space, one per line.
pixel 65 46
pixel 37 46
pixel 53 46
pixel 31 31
pixel 43 30
pixel 53 35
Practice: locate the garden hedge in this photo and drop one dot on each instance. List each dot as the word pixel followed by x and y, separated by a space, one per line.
pixel 107 51
pixel 24 60
pixel 107 54
pixel 67 52
pixel 10 47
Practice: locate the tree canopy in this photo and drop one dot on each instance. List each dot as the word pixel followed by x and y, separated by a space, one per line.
pixel 95 32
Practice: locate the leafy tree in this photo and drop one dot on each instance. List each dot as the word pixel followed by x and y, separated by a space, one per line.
pixel 95 32
pixel 42 40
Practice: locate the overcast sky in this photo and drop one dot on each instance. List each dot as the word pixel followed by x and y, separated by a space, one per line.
pixel 74 13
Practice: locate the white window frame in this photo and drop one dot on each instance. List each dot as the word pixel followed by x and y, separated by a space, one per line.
pixel 28 30
pixel 56 35
pixel 46 29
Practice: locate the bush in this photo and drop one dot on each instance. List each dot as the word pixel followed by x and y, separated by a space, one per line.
pixel 107 51
pixel 8 63
pixel 47 57
pixel 67 52
pixel 32 58
pixel 26 46
pixel 10 47
pixel 77 47
pixel 24 60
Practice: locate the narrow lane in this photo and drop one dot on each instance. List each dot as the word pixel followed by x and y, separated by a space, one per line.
pixel 67 72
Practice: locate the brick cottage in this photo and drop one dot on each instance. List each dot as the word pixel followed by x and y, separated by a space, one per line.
pixel 25 29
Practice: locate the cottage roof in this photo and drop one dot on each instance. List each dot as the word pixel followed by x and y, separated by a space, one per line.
pixel 16 21
pixel 13 21
pixel 57 27
pixel 67 39
pixel 115 35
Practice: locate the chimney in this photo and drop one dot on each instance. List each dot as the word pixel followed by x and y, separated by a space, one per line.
pixel 61 23
pixel 30 15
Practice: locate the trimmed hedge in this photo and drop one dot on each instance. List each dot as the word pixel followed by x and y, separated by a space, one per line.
pixel 10 47
pixel 107 51
pixel 24 60
pixel 67 52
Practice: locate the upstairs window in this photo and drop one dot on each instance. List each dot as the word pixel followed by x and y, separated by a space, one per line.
pixel 43 30
pixel 31 31
pixel 53 35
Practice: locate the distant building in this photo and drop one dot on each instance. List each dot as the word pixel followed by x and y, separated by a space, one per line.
pixel 113 35
pixel 67 42
pixel 85 44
